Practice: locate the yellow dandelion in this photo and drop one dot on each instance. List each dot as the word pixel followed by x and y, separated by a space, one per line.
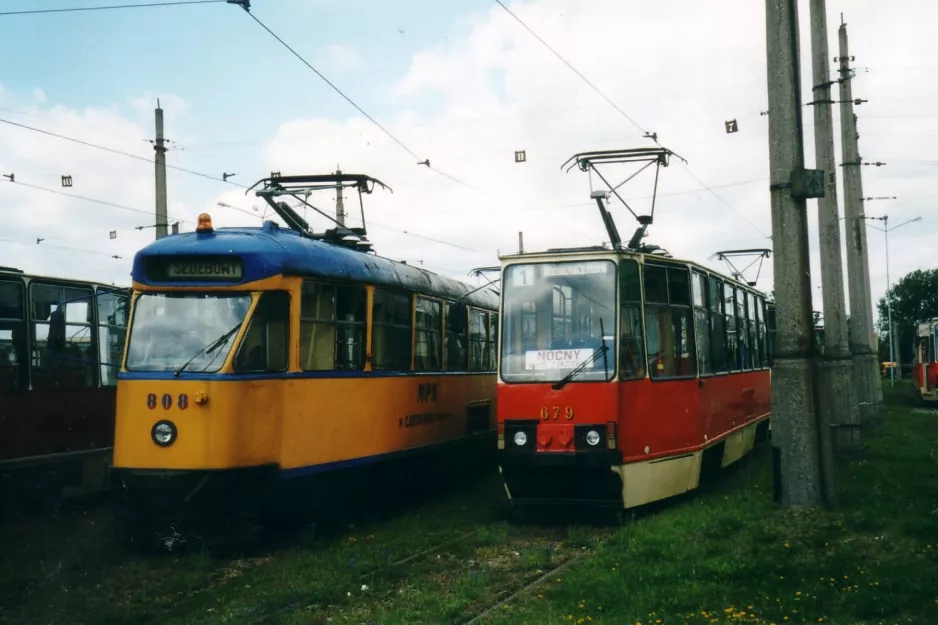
pixel 557 580
pixel 798 592
pixel 820 620
pixel 540 596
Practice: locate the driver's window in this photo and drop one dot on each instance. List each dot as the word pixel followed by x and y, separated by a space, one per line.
pixel 266 344
pixel 631 339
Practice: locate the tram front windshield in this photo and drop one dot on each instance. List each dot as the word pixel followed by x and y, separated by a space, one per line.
pixel 171 329
pixel 556 319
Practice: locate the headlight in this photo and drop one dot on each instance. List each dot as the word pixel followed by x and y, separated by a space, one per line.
pixel 520 439
pixel 163 433
pixel 592 438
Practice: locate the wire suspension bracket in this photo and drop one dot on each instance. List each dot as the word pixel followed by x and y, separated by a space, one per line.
pixel 760 255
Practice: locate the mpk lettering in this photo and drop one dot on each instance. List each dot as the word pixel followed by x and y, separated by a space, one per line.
pixel 426 392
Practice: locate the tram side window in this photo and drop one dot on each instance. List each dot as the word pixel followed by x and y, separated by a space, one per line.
pixel 702 320
pixel 632 339
pixel 67 362
pixel 14 374
pixel 455 358
pixel 729 314
pixel 478 340
pixel 493 342
pixel 753 332
pixel 668 327
pixel 332 327
pixel 112 333
pixel 717 325
pixel 266 344
pixel 742 335
pixel 390 331
pixel 428 350
pixel 770 333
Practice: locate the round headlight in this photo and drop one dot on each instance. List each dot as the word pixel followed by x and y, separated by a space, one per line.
pixel 163 433
pixel 520 439
pixel 592 437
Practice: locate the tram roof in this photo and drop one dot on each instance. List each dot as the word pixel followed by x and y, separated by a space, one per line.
pixel 13 272
pixel 271 250
pixel 604 252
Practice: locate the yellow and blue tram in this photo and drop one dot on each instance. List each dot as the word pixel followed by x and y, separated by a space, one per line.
pixel 257 356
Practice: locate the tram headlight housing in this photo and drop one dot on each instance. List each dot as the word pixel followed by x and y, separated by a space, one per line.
pixel 520 439
pixel 593 438
pixel 164 433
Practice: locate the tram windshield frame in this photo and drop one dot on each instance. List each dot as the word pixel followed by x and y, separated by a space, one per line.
pixel 556 318
pixel 170 329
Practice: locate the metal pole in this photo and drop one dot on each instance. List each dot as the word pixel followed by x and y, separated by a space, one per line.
pixel 339 202
pixel 838 395
pixel 892 357
pixel 865 360
pixel 794 411
pixel 160 148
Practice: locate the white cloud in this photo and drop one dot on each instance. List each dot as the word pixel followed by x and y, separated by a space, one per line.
pixel 678 68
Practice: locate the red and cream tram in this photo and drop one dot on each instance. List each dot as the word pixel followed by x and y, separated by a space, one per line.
pixel 57 384
pixel 925 362
pixel 623 372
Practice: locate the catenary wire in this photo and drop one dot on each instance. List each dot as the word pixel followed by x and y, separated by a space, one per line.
pixel 111 6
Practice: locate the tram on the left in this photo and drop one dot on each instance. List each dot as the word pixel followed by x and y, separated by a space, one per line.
pixel 61 342
pixel 264 365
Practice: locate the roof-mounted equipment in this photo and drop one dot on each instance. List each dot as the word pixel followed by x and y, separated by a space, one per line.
pixel 300 187
pixel 588 162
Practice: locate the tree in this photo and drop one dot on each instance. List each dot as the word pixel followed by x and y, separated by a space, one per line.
pixel 914 298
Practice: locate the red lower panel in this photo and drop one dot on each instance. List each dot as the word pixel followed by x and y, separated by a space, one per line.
pixel 48 422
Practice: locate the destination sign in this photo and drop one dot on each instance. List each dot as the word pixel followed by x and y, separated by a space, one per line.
pixel 577 269
pixel 208 269
pixel 556 358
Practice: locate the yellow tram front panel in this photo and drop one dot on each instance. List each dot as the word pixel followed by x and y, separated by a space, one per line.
pixel 218 424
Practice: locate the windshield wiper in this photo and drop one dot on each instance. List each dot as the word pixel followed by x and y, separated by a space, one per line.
pixel 211 347
pixel 600 351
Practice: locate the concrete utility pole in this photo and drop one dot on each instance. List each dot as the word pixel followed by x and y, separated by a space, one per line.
pixel 838 398
pixel 160 148
pixel 339 203
pixel 865 360
pixel 805 466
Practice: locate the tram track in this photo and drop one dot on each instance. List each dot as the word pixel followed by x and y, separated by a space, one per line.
pixel 537 582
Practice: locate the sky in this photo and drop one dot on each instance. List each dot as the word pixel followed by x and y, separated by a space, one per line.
pixel 461 84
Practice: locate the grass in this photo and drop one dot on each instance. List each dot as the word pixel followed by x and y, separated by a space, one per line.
pixel 723 555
